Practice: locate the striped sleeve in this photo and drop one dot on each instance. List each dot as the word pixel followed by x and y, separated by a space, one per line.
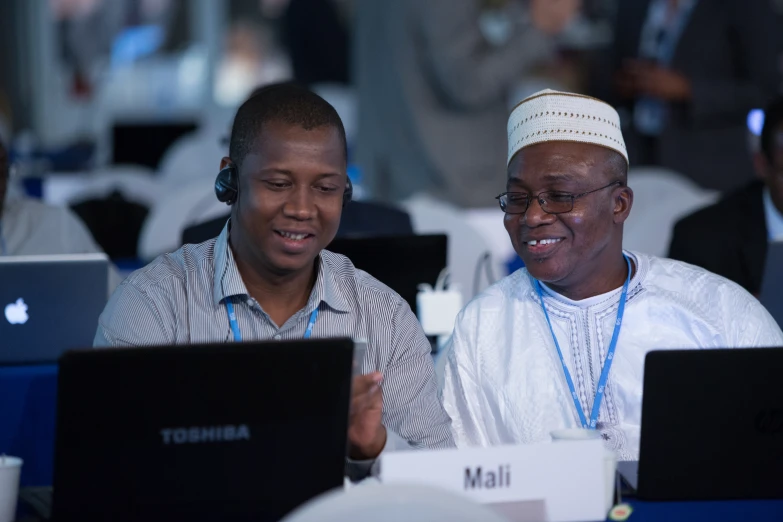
pixel 412 408
pixel 132 318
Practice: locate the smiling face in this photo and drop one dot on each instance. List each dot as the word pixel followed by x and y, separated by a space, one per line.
pixel 291 186
pixel 567 249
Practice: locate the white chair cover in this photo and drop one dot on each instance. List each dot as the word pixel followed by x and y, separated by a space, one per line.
pixel 466 247
pixel 661 198
pixel 189 204
pixel 194 156
pixel 343 99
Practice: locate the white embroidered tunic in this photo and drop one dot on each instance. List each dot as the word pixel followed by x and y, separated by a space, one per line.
pixel 504 383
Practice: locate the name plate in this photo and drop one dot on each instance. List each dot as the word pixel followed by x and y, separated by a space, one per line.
pixel 568 477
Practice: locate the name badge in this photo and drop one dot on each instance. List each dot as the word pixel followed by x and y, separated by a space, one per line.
pixel 562 482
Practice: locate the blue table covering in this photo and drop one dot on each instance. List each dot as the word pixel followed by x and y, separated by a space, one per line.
pixel 28 400
pixel 713 511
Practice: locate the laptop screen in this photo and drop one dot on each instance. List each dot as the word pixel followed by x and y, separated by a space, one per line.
pixel 146 143
pixel 50 304
pixel 400 262
pixel 214 432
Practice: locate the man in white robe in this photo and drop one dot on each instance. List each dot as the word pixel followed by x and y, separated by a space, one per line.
pixel 566 203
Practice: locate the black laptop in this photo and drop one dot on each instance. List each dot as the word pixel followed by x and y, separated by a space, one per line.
pixel 400 262
pixel 230 432
pixel 712 425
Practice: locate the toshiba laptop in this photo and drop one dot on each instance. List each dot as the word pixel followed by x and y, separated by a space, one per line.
pixel 400 262
pixel 772 284
pixel 712 425
pixel 49 304
pixel 229 432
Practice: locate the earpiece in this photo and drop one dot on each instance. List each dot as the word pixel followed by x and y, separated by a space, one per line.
pixel 226 185
pixel 226 188
pixel 348 194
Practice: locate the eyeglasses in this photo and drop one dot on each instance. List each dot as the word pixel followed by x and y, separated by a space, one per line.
pixel 552 202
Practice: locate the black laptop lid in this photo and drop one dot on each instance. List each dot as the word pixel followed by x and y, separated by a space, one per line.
pixel 712 425
pixel 400 262
pixel 49 304
pixel 229 432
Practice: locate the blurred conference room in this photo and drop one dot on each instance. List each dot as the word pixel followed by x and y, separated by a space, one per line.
pixel 116 119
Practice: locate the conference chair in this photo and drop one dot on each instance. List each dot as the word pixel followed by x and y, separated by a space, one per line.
pixel 467 249
pixel 661 197
pixel 189 203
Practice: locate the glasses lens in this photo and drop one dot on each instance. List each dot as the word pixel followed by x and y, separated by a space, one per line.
pixel 557 202
pixel 513 203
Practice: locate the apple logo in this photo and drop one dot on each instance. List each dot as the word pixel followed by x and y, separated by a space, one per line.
pixel 16 313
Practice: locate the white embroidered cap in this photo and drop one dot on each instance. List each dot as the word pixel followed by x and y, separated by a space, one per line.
pixel 563 116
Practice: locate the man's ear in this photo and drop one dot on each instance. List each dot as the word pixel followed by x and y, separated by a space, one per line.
pixel 623 201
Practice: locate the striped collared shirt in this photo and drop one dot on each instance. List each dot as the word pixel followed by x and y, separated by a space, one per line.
pixel 180 299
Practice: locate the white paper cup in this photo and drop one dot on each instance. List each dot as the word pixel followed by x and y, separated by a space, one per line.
pixel 610 459
pixel 10 469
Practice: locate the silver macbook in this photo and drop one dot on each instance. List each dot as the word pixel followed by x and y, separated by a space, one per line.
pixel 772 284
pixel 49 304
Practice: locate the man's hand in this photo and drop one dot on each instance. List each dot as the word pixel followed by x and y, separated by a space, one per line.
pixel 552 16
pixel 652 80
pixel 365 432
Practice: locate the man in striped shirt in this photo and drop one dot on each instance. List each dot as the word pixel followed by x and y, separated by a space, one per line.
pixel 266 276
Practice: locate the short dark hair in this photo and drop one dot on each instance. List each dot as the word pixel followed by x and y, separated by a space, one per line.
pixel 773 117
pixel 285 103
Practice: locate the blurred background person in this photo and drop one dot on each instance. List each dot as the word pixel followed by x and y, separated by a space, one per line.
pixel 96 33
pixel 30 227
pixel 731 237
pixel 251 58
pixel 686 73
pixel 433 92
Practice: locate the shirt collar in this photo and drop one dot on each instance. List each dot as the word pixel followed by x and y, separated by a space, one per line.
pixel 641 270
pixel 228 281
pixel 326 287
pixel 773 217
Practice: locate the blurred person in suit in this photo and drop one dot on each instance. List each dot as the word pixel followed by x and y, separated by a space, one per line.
pixel 433 92
pixel 686 73
pixel 730 238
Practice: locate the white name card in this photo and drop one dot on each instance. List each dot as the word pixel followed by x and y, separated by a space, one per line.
pixel 568 477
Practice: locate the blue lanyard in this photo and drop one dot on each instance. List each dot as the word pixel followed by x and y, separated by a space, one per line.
pixel 232 321
pixel 599 394
pixel 3 248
